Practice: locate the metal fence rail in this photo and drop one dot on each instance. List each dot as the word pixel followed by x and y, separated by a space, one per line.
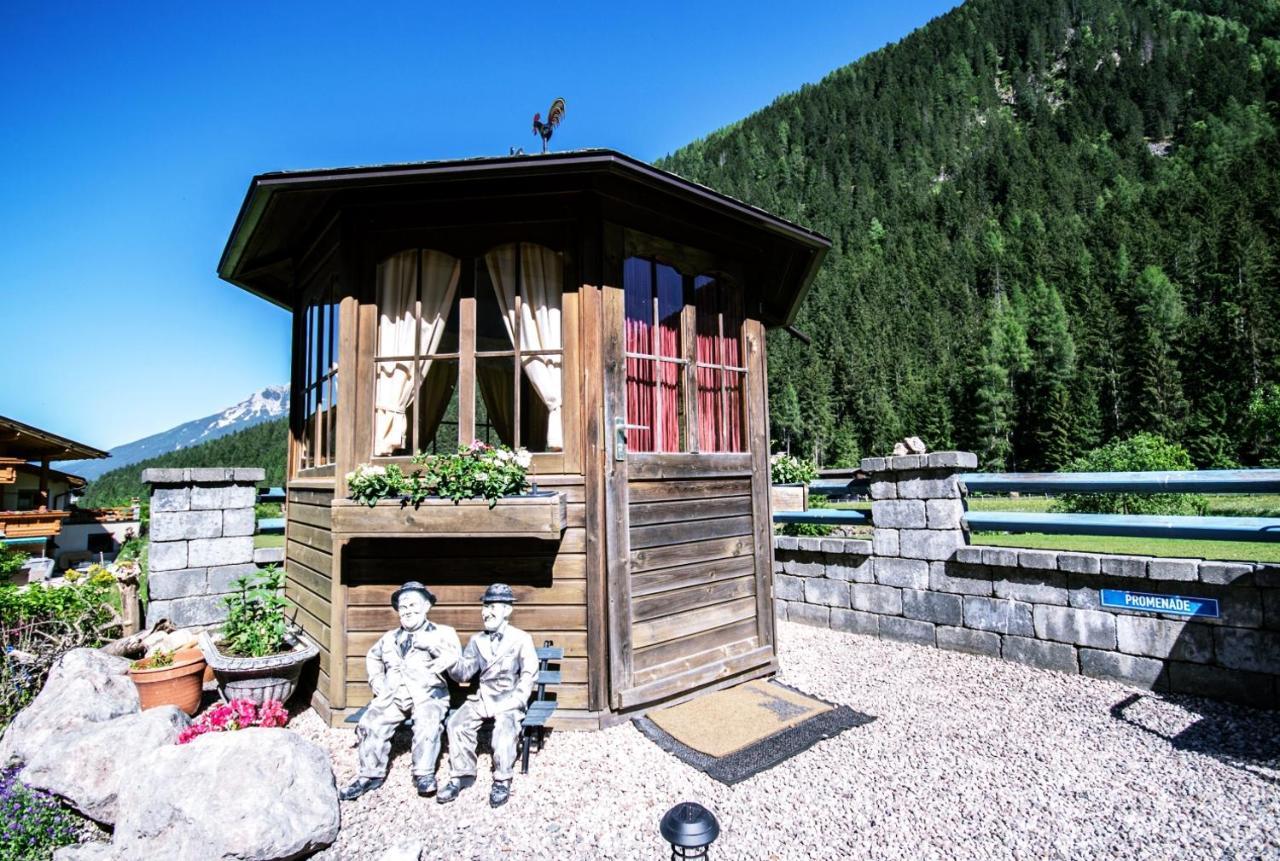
pixel 1130 525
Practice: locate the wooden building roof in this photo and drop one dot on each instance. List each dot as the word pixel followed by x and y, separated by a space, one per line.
pixel 19 440
pixel 283 210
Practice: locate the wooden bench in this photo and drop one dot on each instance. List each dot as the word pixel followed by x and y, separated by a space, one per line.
pixel 541 708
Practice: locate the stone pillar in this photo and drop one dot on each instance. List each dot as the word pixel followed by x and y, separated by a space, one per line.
pixel 202 525
pixel 918 507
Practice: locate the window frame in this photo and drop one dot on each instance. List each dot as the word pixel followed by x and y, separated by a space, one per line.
pixel 317 382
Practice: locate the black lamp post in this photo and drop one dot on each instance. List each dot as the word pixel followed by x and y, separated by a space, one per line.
pixel 690 828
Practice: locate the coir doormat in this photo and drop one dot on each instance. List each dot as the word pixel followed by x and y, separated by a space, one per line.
pixel 744 730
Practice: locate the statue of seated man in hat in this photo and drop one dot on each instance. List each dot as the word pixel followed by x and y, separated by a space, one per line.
pixel 406 672
pixel 507 664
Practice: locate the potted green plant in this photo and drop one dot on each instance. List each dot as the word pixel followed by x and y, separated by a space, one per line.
pixel 257 655
pixel 790 477
pixel 170 679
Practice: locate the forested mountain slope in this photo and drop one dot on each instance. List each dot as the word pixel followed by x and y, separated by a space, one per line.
pixel 264 445
pixel 1055 222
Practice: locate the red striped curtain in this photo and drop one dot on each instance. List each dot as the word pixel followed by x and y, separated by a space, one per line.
pixel 720 403
pixel 637 281
pixel 670 290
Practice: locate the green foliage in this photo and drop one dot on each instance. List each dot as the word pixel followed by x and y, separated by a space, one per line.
pixel 367 483
pixel 811 530
pixel 256 625
pixel 1143 452
pixel 32 823
pixel 785 469
pixel 477 471
pixel 1264 423
pixel 11 561
pixel 1053 224
pixel 263 445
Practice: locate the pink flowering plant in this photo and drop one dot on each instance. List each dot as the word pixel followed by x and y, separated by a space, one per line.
pixel 476 471
pixel 234 715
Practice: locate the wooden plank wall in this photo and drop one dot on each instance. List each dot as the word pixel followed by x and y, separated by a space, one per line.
pixel 693 584
pixel 308 570
pixel 549 579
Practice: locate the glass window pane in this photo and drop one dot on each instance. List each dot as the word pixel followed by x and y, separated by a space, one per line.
pixel 496 400
pixel 491 328
pixel 394 408
pixel 437 407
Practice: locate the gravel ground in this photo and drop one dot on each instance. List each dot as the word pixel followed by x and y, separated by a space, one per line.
pixel 969 757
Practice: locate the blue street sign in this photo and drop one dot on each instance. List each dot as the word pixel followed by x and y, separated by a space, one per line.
pixel 1177 605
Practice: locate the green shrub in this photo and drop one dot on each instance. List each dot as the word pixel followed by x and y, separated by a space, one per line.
pixel 809 530
pixel 11 561
pixel 255 625
pixel 786 469
pixel 1144 452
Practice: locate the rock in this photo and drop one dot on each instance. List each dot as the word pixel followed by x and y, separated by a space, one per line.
pixel 93 851
pixel 914 445
pixel 409 850
pixel 252 795
pixel 87 765
pixel 900 450
pixel 84 686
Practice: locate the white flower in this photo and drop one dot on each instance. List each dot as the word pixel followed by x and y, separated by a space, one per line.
pixel 504 454
pixel 482 476
pixel 524 459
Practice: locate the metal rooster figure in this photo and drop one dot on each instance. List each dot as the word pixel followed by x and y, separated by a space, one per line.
pixel 554 115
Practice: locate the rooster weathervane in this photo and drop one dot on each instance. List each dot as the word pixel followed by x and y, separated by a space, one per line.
pixel 554 115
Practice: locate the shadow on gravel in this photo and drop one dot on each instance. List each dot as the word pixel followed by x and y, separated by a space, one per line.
pixel 1242 738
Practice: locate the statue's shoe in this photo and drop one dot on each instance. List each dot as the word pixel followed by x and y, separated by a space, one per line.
pixel 425 784
pixel 359 787
pixel 453 788
pixel 499 793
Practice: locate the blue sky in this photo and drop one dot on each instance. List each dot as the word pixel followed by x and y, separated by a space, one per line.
pixel 131 132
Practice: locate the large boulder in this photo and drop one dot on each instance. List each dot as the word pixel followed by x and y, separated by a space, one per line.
pixel 84 686
pixel 252 795
pixel 88 764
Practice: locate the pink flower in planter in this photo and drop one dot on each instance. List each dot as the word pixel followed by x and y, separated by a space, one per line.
pixel 237 714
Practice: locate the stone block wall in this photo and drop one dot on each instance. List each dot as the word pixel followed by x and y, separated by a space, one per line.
pixel 201 540
pixel 918 580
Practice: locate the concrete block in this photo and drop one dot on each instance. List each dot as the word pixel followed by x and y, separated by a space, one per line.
pixel 1267 576
pixel 1238 606
pixel 167 556
pixel 175 475
pixel 948 577
pixel 809 544
pixel 268 556
pixel 1252 689
pixel 908 573
pixel 1172 569
pixel 884 490
pixel 998 616
pixel 925 486
pixel 1038 560
pixel 222 579
pixel 182 612
pixel 953 459
pixel 885 542
pixel 898 513
pixel 239 521
pixel 907 630
pixel 180 583
pixel 1001 557
pixel 831 593
pixel 904 461
pixel 965 640
pixel 169 499
pixel 788 588
pixel 853 622
pixel 851 569
pixel 969 555
pixel 1247 649
pixel 785 542
pixel 804 566
pixel 210 552
pixel 1134 567
pixel 1042 588
pixel 1271 609
pixel 1046 656
pixel 1226 573
pixel 186 525
pixel 944 513
pixel 873 464
pixel 249 474
pixel 780 610
pixel 883 600
pixel 205 497
pixel 936 607
pixel 1160 638
pixel 808 614
pixel 1146 673
pixel 929 543
pixel 1079 563
pixel 1082 627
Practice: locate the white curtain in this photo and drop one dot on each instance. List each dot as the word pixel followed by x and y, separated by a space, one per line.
pixel 539 273
pixel 405 298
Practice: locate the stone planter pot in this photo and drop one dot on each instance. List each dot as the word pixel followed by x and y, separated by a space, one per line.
pixel 789 497
pixel 273 677
pixel 178 684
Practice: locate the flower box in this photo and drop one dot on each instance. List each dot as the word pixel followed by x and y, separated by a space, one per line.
pixel 535 515
pixel 31 524
pixel 789 497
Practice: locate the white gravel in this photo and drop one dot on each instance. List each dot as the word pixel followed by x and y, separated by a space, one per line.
pixel 969 757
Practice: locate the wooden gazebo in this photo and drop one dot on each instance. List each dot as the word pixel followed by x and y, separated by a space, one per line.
pixel 609 317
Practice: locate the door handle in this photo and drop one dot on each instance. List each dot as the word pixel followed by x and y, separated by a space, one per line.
pixel 620 428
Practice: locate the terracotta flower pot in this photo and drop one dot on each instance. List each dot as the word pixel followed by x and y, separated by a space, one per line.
pixel 178 684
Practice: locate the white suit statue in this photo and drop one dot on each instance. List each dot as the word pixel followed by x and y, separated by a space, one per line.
pixel 507 663
pixel 406 671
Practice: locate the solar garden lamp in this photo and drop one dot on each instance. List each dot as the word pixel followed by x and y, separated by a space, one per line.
pixel 690 828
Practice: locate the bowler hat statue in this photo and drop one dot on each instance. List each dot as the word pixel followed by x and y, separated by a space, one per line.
pixel 498 593
pixel 412 586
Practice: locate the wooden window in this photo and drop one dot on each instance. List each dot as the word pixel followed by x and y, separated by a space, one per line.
pixel 319 377
pixel 721 371
pixel 655 361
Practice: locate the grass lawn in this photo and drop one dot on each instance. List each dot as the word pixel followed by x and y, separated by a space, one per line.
pixel 268 541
